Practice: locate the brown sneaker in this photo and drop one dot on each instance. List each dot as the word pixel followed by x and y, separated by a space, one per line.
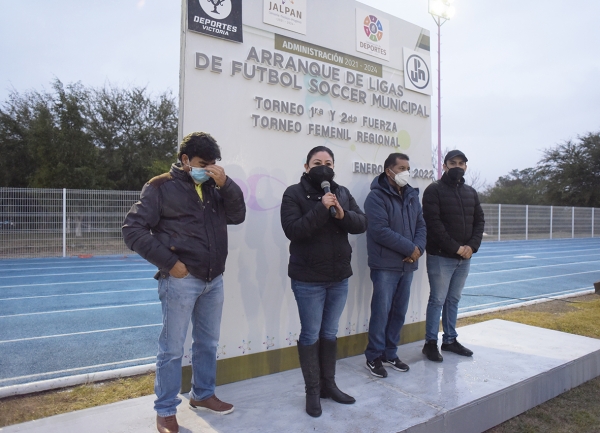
pixel 167 424
pixel 212 404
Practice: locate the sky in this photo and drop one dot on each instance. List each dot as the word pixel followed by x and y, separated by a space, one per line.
pixel 518 76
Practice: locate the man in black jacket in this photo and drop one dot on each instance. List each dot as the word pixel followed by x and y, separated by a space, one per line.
pixel 455 223
pixel 180 225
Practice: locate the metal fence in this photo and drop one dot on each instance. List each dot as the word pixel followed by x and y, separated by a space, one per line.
pixel 62 222
pixel 68 222
pixel 513 222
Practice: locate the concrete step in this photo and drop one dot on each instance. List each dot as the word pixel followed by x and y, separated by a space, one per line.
pixel 515 367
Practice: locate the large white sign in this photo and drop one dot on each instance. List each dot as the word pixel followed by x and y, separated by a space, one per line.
pixel 268 101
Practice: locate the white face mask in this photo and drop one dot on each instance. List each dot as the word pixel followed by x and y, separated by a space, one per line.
pixel 401 178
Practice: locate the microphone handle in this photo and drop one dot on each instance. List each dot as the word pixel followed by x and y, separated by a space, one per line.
pixel 332 210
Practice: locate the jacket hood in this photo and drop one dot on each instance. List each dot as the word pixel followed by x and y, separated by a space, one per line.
pixel 381 183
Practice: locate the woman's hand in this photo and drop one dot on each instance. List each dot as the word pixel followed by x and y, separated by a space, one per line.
pixel 339 210
pixel 330 200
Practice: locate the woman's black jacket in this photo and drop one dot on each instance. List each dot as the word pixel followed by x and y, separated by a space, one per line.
pixel 319 248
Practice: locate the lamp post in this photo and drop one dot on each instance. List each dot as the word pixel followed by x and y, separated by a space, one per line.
pixel 441 11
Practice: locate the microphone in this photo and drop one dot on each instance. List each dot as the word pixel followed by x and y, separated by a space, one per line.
pixel 327 188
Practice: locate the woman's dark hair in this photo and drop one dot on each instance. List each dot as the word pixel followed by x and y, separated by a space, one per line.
pixel 391 160
pixel 200 144
pixel 317 150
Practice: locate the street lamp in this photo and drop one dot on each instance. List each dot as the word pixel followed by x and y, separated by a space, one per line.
pixel 441 11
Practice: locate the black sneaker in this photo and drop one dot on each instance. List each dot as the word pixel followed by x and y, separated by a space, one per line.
pixel 430 350
pixel 376 368
pixel 457 348
pixel 396 364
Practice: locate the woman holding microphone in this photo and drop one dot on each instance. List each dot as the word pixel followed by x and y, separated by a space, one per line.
pixel 317 215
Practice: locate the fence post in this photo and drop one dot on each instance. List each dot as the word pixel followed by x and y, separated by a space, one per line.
pixel 551 222
pixel 526 222
pixel 499 219
pixel 64 230
pixel 573 222
pixel 593 222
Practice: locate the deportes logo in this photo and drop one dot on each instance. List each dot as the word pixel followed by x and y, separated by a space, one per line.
pixel 217 9
pixel 418 72
pixel 373 28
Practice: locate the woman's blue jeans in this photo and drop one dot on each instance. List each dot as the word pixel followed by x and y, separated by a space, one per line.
pixel 447 277
pixel 183 299
pixel 391 292
pixel 320 306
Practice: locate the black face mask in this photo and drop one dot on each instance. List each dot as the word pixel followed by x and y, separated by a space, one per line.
pixel 320 173
pixel 456 174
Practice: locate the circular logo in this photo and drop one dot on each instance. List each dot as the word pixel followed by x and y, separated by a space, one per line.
pixel 373 28
pixel 418 72
pixel 217 9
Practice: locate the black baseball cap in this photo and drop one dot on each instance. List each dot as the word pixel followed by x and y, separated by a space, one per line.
pixel 454 153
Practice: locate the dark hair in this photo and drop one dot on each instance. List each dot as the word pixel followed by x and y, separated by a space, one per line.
pixel 317 150
pixel 391 160
pixel 200 144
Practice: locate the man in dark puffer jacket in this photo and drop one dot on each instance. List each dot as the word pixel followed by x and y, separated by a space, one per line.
pixel 455 225
pixel 180 226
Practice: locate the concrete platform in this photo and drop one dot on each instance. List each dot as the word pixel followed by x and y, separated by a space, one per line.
pixel 515 367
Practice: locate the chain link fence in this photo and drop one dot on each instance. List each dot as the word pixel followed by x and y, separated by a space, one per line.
pixel 62 222
pixel 505 222
pixel 66 222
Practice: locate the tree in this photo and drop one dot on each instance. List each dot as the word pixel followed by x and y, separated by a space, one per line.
pixel 571 172
pixel 567 175
pixel 86 138
pixel 517 187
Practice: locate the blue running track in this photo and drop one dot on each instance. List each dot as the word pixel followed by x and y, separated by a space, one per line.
pixel 63 317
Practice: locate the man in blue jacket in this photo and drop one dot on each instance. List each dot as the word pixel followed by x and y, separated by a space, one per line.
pixel 396 238
pixel 180 226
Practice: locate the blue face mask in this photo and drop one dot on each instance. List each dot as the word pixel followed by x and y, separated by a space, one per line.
pixel 199 174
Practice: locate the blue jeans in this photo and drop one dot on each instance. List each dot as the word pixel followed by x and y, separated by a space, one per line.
pixel 447 278
pixel 183 299
pixel 391 291
pixel 320 306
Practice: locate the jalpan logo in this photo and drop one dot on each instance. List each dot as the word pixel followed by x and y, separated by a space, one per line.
pixel 373 28
pixel 418 72
pixel 217 9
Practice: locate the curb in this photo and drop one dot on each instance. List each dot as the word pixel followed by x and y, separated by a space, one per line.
pixel 525 304
pixel 63 382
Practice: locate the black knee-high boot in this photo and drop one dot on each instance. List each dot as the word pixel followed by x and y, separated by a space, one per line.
pixel 309 363
pixel 327 356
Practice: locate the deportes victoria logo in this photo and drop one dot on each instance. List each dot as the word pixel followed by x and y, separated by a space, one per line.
pixel 373 28
pixel 217 9
pixel 418 72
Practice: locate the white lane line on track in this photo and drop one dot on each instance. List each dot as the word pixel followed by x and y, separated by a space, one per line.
pixel 68 370
pixel 517 252
pixel 531 268
pixel 76 294
pixel 73 282
pixel 524 298
pixel 67 260
pixel 523 259
pixel 75 273
pixel 16 340
pixel 531 279
pixel 79 309
pixel 81 267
